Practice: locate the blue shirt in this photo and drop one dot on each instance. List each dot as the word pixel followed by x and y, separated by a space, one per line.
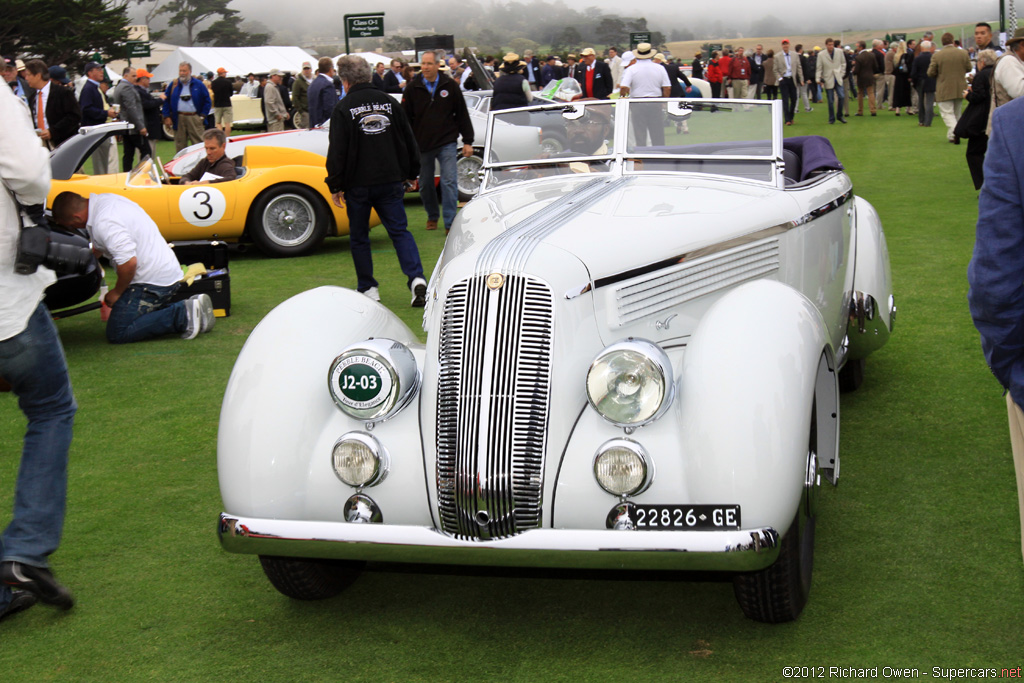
pixel 431 85
pixel 185 106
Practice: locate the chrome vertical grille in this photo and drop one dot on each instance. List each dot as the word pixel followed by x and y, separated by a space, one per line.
pixel 492 406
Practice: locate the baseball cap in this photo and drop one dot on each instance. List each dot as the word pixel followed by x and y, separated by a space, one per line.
pixel 307 65
pixel 785 41
pixel 142 73
pixel 587 51
pixel 628 57
pixel 92 65
pixel 221 70
pixel 59 74
pixel 274 72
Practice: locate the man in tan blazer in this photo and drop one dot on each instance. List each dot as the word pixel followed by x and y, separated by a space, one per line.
pixel 790 76
pixel 949 67
pixel 830 70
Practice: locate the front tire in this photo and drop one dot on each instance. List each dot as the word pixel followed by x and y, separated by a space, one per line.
pixel 467 172
pixel 307 579
pixel 778 593
pixel 288 220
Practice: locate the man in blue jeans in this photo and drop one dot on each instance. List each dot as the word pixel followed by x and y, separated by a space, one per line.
pixel 148 274
pixel 32 366
pixel 438 114
pixel 372 153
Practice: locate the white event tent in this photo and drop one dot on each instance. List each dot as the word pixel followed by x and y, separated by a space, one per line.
pixel 372 58
pixel 238 61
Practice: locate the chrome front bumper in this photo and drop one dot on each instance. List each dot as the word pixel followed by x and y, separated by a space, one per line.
pixel 745 550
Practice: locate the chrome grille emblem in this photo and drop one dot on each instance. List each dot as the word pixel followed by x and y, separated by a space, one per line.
pixel 492 416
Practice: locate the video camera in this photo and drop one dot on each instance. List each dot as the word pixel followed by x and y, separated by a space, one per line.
pixel 36 247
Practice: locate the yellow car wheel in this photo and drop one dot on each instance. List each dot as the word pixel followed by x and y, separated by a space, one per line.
pixel 288 220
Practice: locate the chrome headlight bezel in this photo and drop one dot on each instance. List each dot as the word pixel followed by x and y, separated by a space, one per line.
pixel 374 379
pixel 643 459
pixel 381 459
pixel 647 357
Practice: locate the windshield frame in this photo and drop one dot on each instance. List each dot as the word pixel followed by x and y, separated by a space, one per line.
pixel 621 162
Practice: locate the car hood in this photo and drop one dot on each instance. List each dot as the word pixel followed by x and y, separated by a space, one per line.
pixel 614 225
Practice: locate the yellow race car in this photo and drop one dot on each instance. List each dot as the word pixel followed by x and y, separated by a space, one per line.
pixel 279 200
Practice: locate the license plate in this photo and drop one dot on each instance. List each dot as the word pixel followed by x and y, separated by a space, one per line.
pixel 685 517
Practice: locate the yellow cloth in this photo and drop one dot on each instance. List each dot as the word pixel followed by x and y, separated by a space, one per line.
pixel 192 272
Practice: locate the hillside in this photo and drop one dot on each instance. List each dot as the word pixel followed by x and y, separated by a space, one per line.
pixel 687 48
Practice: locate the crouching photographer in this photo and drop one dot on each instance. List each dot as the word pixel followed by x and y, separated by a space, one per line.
pixel 32 363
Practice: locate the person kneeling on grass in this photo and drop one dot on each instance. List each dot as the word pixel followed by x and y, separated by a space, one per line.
pixel 148 274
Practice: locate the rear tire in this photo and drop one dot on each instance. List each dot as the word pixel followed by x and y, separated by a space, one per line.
pixel 288 220
pixel 852 375
pixel 307 579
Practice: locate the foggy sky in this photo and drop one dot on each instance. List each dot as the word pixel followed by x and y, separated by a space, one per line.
pixel 662 15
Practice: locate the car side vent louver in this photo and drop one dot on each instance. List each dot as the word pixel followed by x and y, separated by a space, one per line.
pixel 678 284
pixel 492 416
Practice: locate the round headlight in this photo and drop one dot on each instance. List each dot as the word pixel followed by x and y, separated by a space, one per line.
pixel 621 467
pixel 359 460
pixel 628 383
pixel 373 379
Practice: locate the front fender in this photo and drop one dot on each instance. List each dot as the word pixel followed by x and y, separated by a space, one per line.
pixel 737 432
pixel 748 383
pixel 278 421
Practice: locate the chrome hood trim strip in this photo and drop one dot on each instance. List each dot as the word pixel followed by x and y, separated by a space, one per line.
pixel 509 252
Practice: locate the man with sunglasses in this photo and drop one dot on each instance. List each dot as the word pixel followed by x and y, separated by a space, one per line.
pixel 186 107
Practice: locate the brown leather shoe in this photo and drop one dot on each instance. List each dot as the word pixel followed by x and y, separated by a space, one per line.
pixel 431 225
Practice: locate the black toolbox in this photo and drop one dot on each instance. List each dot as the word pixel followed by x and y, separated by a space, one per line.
pixel 216 282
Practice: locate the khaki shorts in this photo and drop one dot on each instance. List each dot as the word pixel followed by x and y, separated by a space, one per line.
pixel 222 115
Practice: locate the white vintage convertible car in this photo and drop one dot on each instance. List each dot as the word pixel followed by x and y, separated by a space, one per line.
pixel 633 359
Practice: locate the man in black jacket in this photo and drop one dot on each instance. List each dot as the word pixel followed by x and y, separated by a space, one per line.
pixel 372 152
pixel 595 76
pixel 151 105
pixel 438 115
pixel 61 116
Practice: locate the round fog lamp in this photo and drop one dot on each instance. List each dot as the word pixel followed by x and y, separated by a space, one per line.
pixel 359 460
pixel 621 467
pixel 628 383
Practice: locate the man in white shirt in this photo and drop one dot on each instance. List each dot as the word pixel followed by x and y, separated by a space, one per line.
pixel 251 88
pixel 646 79
pixel 32 365
pixel 1008 78
pixel 148 274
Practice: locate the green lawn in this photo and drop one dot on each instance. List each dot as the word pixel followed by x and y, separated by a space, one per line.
pixel 918 559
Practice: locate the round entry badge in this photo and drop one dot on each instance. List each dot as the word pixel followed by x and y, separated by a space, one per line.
pixel 360 382
pixel 202 205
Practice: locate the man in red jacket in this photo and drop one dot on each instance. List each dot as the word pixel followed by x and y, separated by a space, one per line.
pixel 739 74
